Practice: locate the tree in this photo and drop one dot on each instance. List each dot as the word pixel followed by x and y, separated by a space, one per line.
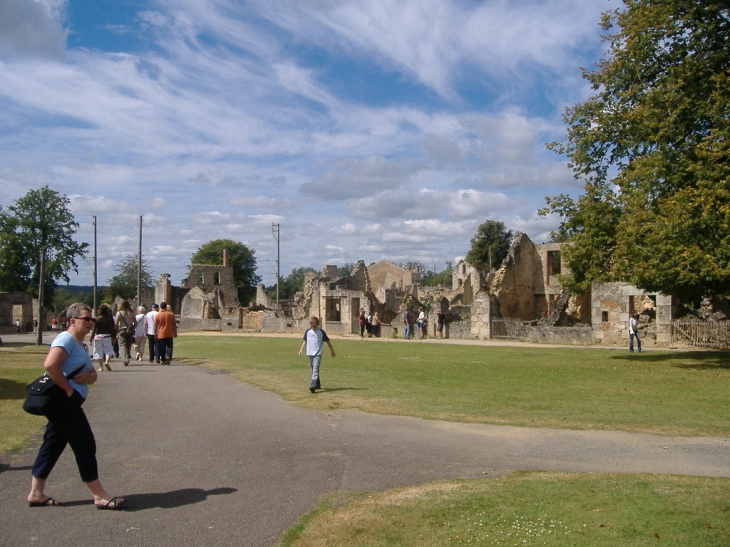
pixel 443 279
pixel 292 283
pixel 490 245
pixel 653 148
pixel 240 258
pixel 124 284
pixel 66 295
pixel 38 220
pixel 346 269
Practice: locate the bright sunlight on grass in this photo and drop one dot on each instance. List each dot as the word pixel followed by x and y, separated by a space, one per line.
pixel 528 509
pixel 680 393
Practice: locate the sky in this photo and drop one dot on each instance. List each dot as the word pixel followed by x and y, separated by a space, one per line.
pixel 362 129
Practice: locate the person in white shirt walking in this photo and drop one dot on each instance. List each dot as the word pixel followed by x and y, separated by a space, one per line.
pixel 149 330
pixel 634 331
pixel 313 341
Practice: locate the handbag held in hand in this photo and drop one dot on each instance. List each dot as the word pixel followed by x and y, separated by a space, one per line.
pixel 44 397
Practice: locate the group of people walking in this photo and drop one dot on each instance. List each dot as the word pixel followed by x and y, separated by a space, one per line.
pixel 157 327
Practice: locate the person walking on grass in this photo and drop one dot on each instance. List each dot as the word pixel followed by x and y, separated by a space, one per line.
pixel 69 425
pixel 634 331
pixel 313 341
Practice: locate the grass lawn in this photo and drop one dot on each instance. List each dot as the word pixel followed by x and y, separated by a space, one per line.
pixel 19 366
pixel 527 509
pixel 678 393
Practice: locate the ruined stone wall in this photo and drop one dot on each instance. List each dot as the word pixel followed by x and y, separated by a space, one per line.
pixel 231 320
pixel 581 336
pixel 612 304
pixel 482 311
pixel 385 274
pixel 262 297
pixel 210 278
pixel 514 283
pixel 271 323
pixel 467 279
pixel 16 306
pixel 458 329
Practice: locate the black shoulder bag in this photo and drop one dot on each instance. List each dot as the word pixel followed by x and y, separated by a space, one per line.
pixel 44 397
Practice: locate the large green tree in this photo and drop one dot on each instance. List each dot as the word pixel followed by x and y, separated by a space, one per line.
pixel 652 145
pixel 240 258
pixel 38 220
pixel 490 245
pixel 124 283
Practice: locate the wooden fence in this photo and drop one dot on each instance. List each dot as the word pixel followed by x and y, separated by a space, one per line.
pixel 509 329
pixel 703 334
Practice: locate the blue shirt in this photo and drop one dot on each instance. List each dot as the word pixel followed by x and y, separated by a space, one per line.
pixel 75 357
pixel 315 340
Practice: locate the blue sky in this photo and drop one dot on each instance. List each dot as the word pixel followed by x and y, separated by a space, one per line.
pixel 368 130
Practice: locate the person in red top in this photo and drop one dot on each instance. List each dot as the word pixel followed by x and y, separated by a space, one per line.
pixel 165 331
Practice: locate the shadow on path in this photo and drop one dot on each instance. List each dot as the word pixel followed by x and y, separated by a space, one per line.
pixel 172 499
pixel 162 500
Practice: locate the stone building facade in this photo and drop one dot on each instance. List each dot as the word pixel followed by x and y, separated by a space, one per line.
pixel 16 306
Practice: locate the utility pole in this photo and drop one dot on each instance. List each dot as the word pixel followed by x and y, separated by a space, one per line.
pixel 139 265
pixel 275 231
pixel 39 329
pixel 94 217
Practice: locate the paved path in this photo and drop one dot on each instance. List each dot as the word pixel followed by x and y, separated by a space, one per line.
pixel 207 461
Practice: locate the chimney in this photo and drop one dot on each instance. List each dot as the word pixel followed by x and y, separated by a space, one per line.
pixel 225 258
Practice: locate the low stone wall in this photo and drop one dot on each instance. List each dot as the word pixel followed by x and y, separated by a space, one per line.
pixel 187 324
pixel 271 323
pixel 578 336
pixel 458 330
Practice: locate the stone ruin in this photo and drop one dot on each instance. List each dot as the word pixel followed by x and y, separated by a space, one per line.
pixel 524 293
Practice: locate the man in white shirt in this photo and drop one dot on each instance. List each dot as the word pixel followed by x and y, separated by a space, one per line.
pixel 634 331
pixel 149 330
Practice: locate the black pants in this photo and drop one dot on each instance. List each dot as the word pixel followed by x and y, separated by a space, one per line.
pixel 164 349
pixel 68 426
pixel 152 343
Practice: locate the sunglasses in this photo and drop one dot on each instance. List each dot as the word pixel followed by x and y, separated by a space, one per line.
pixel 86 319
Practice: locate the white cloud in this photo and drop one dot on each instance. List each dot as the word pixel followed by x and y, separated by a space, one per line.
pixel 32 27
pixel 213 216
pixel 357 178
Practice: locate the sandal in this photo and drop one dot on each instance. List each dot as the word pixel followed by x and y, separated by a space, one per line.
pixel 112 505
pixel 49 502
